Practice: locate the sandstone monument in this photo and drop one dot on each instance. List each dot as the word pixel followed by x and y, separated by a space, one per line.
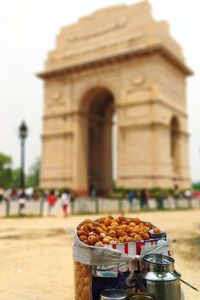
pixel 117 61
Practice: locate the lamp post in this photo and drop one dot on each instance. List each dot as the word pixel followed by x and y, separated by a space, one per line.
pixel 23 132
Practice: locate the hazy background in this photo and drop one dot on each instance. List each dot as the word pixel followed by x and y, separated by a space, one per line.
pixel 28 29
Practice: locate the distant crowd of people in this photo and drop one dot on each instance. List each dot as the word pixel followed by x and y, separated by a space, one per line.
pixel 53 195
pixel 145 195
pixel 64 199
pixel 50 196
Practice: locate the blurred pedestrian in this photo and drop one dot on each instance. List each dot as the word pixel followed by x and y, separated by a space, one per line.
pixel 188 196
pixel 131 199
pixel 65 202
pixel 160 199
pixel 144 195
pixel 7 199
pixel 170 200
pixel 51 202
pixel 72 201
pixel 93 192
pixel 22 202
pixel 43 199
pixel 176 194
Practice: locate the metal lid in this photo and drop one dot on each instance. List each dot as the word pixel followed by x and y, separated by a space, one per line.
pixel 158 263
pixel 113 294
pixel 142 296
pixel 158 259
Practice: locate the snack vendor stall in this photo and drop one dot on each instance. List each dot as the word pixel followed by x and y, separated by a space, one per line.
pixel 109 254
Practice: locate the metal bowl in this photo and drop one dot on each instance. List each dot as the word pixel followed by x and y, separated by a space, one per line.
pixel 142 296
pixel 160 235
pixel 113 294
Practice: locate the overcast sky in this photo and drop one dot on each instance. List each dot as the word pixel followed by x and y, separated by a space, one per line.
pixel 28 29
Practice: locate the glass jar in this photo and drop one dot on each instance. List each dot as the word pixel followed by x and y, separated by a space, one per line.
pixel 83 281
pixel 113 294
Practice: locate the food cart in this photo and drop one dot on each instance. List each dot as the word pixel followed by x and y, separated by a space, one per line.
pixel 109 254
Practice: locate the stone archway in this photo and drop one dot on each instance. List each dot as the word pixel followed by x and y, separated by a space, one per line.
pixel 128 62
pixel 97 108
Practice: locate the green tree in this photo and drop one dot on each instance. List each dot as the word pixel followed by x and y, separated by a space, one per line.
pixel 16 178
pixel 5 170
pixel 34 174
pixel 196 186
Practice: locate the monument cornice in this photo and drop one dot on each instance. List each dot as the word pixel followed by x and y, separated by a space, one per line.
pixel 56 134
pixel 157 176
pixel 147 124
pixel 66 115
pixel 153 101
pixel 56 178
pixel 87 64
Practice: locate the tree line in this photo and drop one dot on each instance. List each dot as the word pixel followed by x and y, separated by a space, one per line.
pixel 10 177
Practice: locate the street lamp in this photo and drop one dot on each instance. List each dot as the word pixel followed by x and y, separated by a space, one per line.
pixel 23 132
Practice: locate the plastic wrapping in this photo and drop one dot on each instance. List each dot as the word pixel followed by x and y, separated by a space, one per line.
pixel 116 254
pixel 108 266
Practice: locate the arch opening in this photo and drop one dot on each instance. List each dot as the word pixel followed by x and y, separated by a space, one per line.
pixel 98 110
pixel 175 143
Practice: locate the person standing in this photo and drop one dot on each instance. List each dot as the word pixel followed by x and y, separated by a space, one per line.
pixel 7 199
pixel 51 202
pixel 160 199
pixel 72 201
pixel 21 202
pixel 65 202
pixel 131 199
pixel 176 195
pixel 144 195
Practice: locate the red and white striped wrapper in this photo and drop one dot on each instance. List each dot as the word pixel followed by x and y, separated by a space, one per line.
pixel 133 249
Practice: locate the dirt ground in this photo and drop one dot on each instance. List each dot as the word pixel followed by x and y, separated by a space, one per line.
pixel 36 254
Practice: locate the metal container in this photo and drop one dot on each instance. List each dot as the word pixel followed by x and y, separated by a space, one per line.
pixel 161 235
pixel 157 277
pixel 113 294
pixel 142 296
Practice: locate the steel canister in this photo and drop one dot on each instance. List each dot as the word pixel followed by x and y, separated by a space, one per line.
pixel 157 277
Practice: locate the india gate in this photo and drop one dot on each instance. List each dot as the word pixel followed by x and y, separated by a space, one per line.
pixel 116 68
